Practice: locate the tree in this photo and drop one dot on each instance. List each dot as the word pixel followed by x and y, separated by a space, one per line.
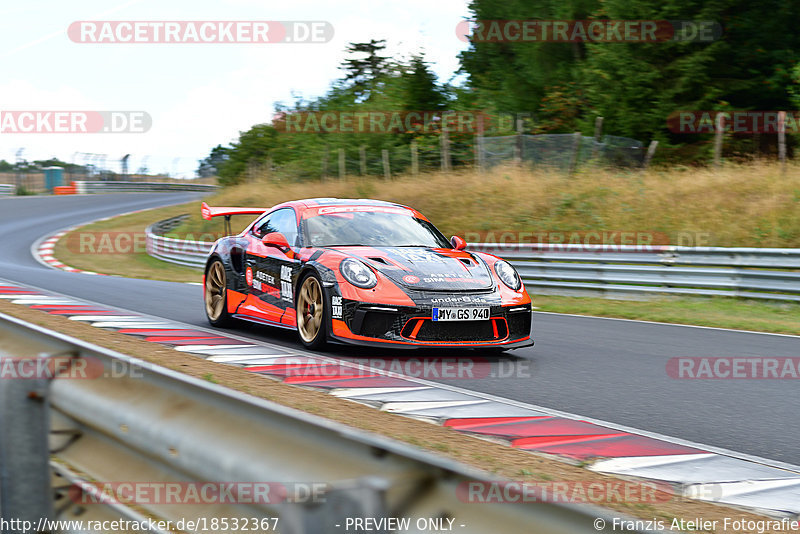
pixel 516 75
pixel 636 86
pixel 216 159
pixel 363 72
pixel 420 90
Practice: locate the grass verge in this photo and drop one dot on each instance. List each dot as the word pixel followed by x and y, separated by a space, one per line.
pixel 491 457
pixel 720 312
pixel 117 247
pixel 751 205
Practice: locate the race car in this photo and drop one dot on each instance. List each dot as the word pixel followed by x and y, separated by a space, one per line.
pixel 365 272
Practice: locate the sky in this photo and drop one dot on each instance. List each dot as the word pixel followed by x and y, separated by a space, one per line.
pixel 198 95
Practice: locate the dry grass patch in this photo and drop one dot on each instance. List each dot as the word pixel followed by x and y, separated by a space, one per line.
pixel 116 247
pixel 739 205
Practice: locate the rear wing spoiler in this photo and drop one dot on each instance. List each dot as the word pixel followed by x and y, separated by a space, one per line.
pixel 209 213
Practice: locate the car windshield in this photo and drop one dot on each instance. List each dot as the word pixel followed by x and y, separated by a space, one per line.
pixel 371 228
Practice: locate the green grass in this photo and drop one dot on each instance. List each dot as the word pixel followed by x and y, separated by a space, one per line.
pixel 720 312
pixel 135 263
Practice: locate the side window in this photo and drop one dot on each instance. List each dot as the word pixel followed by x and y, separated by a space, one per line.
pixel 283 221
pixel 264 226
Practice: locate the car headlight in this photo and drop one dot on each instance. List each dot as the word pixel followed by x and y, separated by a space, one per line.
pixel 357 273
pixel 507 274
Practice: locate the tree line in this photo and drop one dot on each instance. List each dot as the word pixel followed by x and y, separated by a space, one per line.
pixel 556 86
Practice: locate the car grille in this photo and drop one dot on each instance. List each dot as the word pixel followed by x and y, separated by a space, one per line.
pixel 519 323
pixel 495 329
pixel 377 324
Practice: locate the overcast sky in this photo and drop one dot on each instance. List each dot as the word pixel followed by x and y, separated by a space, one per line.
pixel 198 95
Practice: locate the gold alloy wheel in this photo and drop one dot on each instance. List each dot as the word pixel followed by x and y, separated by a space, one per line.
pixel 215 291
pixel 309 309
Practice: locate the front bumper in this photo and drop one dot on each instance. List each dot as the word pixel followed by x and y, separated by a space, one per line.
pixel 410 327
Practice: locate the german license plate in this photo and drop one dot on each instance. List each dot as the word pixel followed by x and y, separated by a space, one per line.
pixel 460 314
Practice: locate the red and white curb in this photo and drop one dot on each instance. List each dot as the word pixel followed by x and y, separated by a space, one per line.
pixel 695 471
pixel 43 252
pixel 43 248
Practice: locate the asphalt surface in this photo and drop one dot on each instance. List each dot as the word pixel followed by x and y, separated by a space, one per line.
pixel 599 368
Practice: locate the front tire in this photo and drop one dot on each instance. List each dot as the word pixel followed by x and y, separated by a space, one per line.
pixel 216 295
pixel 312 323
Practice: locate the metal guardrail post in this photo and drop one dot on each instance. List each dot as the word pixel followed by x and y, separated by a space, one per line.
pixel 25 493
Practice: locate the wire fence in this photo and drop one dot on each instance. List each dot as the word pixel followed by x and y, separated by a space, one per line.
pixel 562 151
pixel 390 158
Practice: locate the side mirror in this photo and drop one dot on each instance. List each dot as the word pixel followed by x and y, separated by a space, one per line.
pixel 275 239
pixel 458 243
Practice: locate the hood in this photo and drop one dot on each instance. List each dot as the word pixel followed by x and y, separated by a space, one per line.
pixel 427 269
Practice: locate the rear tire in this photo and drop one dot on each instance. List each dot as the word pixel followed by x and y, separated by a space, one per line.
pixel 312 319
pixel 215 292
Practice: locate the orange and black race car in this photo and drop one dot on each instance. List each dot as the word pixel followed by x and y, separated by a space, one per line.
pixel 364 272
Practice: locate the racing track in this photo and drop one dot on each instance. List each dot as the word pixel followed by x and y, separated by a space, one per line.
pixel 605 369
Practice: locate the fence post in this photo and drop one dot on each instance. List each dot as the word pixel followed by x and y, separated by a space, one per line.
pixel 478 153
pixel 387 172
pixel 414 158
pixel 25 491
pixel 362 153
pixel 518 145
pixel 446 163
pixel 718 140
pixel 576 148
pixel 598 135
pixel 651 150
pixel 342 168
pixel 782 140
pixel 325 156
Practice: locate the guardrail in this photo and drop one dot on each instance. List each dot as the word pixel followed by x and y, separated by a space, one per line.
pixel 7 189
pixel 85 187
pixel 612 271
pixel 135 421
pixel 178 251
